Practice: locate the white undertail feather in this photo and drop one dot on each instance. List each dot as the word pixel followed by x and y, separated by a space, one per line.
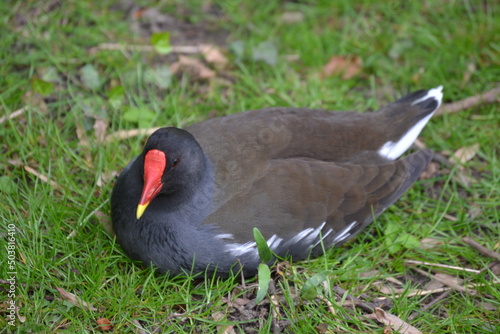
pixel 393 150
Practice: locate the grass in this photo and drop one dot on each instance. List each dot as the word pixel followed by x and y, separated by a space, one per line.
pixel 62 243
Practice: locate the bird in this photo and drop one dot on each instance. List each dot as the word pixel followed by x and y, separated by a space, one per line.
pixel 307 179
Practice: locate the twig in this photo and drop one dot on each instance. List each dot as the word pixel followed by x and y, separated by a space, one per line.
pixel 442 266
pixel 140 329
pixel 124 134
pixel 488 97
pixel 429 305
pixel 42 177
pixel 480 248
pixel 419 293
pixel 187 49
pixel 14 114
pixel 357 302
pixel 329 303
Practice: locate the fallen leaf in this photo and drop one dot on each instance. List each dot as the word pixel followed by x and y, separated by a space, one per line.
pixel 240 301
pixel 464 154
pixel 193 67
pixel 321 328
pixel 105 221
pixel 90 77
pixel 160 76
pixel 161 42
pixel 371 273
pixel 7 185
pixel 348 66
pixel 75 300
pixel 433 285
pixel 213 55
pixel 292 17
pixel 100 127
pixel 104 324
pixel 83 140
pixel 42 87
pixel 237 48
pixel 35 101
pixel 471 68
pixel 427 243
pixel 431 171
pixel 475 211
pixel 105 178
pixel 394 322
pixel 266 52
pixel 141 116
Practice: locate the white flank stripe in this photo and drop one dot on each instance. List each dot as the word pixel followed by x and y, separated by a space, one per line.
pixel 345 233
pixel 393 150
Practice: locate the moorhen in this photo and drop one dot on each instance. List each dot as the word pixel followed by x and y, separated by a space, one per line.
pixel 307 179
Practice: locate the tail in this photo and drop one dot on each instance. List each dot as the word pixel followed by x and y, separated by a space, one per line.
pixel 407 117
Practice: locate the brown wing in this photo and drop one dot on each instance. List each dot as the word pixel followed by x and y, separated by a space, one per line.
pixel 298 194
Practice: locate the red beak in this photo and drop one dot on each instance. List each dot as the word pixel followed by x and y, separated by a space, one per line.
pixel 154 167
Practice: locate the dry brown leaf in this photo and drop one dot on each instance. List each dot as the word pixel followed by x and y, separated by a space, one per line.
pixel 348 66
pixel 475 211
pixel 371 273
pixel 105 178
pixel 35 101
pixel 192 67
pixel 75 300
pixel 471 68
pixel 433 285
pixel 100 128
pixel 105 221
pixel 321 328
pixel 240 301
pixel 104 324
pixel 463 179
pixel 394 280
pixel 83 140
pixel 213 55
pixel 431 171
pixel 292 17
pixel 427 243
pixel 464 154
pixel 394 322
pixel 448 279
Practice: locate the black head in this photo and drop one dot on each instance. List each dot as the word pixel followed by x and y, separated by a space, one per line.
pixel 174 163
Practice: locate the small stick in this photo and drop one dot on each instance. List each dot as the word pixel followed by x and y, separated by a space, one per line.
pixel 481 248
pixel 42 177
pixel 429 305
pixel 442 266
pixel 140 329
pixel 124 134
pixel 187 49
pixel 488 97
pixel 15 114
pixel 357 302
pixel 329 303
pixel 419 293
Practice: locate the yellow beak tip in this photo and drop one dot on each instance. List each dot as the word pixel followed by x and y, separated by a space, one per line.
pixel 140 210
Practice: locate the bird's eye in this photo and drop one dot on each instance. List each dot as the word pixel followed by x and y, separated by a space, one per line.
pixel 176 162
